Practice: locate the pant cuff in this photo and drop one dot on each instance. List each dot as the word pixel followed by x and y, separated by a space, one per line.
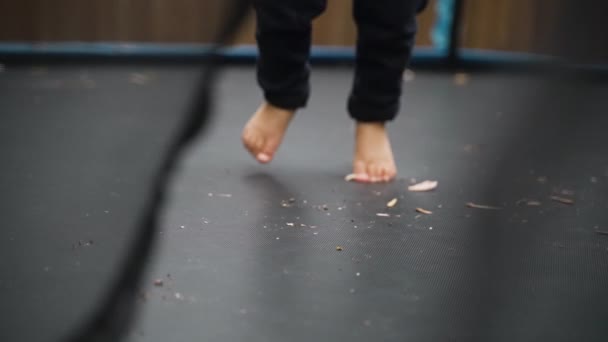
pixel 366 112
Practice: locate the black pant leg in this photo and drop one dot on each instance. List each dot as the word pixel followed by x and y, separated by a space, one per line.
pixel 386 36
pixel 284 29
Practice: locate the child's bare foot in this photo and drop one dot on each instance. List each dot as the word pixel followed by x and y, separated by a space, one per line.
pixel 373 160
pixel 265 130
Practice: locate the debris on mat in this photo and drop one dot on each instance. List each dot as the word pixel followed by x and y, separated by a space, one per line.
pixel 566 192
pixel 339 248
pixel 392 203
pixel 424 211
pixel 531 203
pixel 562 200
pixel 139 78
pixel 290 224
pixel 409 75
pixel 461 78
pixel 427 185
pixel 482 206
pixel 159 283
pixel 224 195
pixel 542 179
pixel 383 215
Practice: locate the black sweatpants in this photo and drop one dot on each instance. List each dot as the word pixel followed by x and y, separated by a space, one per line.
pixel 386 32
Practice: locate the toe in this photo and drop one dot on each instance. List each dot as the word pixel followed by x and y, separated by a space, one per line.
pixel 373 171
pixel 360 171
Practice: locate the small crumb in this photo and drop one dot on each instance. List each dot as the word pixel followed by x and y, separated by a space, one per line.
pixel 351 291
pixel 278 238
pixel 358 274
pixel 159 283
pixel 302 225
pixel 440 206
pixel 182 227
pixel 567 192
pixel 179 296
pixel 313 227
pixel 290 224
pixel 392 203
pixel 562 200
pixel 210 194
pixel 224 195
pixel 315 233
pixel 325 207
pixel 383 215
pixel 305 201
pixel 339 248
pixel 424 211
pixel 424 186
pixel 430 228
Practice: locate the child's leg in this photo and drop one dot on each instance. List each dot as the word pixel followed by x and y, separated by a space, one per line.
pixel 386 30
pixel 284 29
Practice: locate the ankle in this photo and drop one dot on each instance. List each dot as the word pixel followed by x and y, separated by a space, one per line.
pixel 379 126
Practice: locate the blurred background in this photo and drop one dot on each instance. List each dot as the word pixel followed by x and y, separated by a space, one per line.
pixel 518 26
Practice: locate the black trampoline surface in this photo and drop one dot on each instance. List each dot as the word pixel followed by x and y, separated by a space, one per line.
pixel 249 252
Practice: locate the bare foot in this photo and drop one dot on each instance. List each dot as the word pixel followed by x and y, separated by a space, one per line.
pixel 373 160
pixel 264 132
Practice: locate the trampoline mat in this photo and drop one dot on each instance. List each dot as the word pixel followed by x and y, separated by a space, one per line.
pixel 250 252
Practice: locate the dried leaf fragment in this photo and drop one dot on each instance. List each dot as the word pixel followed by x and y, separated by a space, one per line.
pixel 562 200
pixel 482 206
pixel 424 211
pixel 350 177
pixel 427 185
pixel 392 203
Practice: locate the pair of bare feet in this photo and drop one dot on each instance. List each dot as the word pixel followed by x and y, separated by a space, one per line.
pixel 373 161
